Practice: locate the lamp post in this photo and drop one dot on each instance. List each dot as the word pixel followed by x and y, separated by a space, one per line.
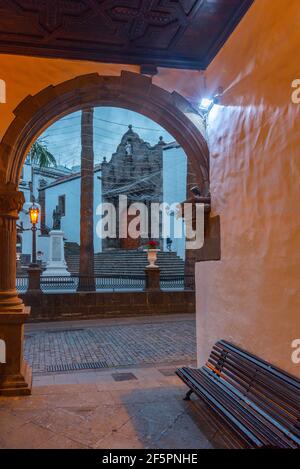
pixel 34 218
pixel 34 272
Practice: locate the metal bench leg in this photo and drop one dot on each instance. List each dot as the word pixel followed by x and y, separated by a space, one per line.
pixel 188 395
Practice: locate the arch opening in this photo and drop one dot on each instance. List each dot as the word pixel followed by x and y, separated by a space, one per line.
pixel 130 91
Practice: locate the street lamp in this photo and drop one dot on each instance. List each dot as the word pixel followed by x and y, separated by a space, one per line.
pixel 34 212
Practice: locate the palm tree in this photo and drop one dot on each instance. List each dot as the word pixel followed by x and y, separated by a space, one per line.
pixel 86 270
pixel 41 156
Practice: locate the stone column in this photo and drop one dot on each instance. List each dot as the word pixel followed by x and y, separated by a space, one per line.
pixel 86 270
pixel 15 374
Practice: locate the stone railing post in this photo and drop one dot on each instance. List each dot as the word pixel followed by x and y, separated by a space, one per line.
pixel 34 280
pixel 15 374
pixel 152 278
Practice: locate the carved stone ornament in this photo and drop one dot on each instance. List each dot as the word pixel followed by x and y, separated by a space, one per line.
pixel 11 202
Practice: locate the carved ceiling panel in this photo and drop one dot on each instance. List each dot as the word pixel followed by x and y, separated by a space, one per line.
pixel 174 33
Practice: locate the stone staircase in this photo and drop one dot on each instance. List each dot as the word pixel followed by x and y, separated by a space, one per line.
pixel 125 262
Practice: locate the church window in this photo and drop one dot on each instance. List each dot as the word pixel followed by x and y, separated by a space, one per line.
pixel 62 205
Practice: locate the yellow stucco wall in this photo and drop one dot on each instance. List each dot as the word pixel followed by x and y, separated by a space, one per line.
pixel 252 297
pixel 29 75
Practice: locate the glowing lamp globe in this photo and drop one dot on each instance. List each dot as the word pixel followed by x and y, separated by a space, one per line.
pixel 34 214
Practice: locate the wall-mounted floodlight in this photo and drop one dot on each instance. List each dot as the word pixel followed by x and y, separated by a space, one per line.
pixel 207 104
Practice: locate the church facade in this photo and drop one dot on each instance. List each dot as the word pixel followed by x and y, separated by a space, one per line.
pixel 135 171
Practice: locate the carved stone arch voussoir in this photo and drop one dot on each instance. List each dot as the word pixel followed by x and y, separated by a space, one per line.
pixel 129 90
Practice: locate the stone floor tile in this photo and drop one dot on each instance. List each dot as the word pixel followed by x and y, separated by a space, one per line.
pixel 61 442
pixel 118 441
pixel 29 436
pixel 151 419
pixel 64 388
pixel 65 379
pixel 72 399
pixel 43 380
pixel 9 421
pixel 182 434
pixel 128 417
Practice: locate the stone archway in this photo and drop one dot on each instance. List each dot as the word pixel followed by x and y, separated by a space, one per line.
pixel 129 90
pixel 32 116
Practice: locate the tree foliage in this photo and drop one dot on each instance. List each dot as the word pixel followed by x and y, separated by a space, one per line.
pixel 41 156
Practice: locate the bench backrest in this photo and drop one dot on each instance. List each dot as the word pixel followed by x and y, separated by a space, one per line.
pixel 274 391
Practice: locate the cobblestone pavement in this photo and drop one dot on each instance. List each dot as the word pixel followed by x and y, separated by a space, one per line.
pixel 69 349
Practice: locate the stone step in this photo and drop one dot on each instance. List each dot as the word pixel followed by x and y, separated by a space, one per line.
pixel 130 268
pixel 128 263
pixel 108 263
pixel 125 256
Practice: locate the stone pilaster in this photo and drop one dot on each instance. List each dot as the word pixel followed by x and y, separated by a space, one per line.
pixel 211 247
pixel 15 375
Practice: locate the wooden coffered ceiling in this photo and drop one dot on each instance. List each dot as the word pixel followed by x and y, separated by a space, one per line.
pixel 167 33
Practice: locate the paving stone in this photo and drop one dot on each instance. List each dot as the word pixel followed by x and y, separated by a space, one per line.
pixel 90 409
pixel 29 436
pixel 134 414
pixel 189 435
pixel 116 345
pixel 61 442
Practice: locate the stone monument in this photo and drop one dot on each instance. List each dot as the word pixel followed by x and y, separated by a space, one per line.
pixel 56 265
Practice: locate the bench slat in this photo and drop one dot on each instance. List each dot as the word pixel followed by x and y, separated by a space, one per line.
pixel 256 406
pixel 238 407
pixel 286 396
pixel 277 401
pixel 259 401
pixel 223 413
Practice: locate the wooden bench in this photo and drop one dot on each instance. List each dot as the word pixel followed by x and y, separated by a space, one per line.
pixel 259 401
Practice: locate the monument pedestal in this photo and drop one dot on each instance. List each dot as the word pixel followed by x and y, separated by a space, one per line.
pixel 152 278
pixel 34 280
pixel 56 266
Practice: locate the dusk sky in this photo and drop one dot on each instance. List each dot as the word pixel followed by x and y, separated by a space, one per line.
pixel 64 140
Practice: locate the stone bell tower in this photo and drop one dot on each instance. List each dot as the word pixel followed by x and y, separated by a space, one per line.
pixel 134 171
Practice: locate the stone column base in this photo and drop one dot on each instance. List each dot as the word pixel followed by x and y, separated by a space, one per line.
pixel 15 373
pixel 17 385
